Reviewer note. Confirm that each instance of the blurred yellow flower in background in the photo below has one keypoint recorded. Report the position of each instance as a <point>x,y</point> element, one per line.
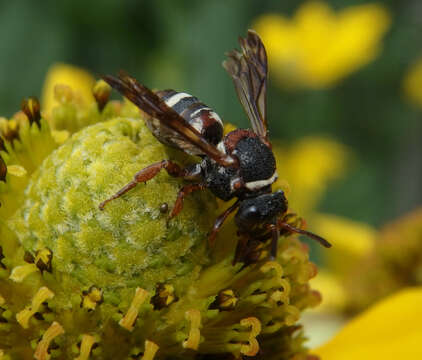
<point>353,241</point>
<point>366,265</point>
<point>412,83</point>
<point>308,165</point>
<point>390,330</point>
<point>76,78</point>
<point>394,263</point>
<point>318,47</point>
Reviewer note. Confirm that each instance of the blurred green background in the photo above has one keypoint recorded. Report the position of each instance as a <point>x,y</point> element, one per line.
<point>181,44</point>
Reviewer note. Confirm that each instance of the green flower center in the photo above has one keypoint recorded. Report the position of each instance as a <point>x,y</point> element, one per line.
<point>131,243</point>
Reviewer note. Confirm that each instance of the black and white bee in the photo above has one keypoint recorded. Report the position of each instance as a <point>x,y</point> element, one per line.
<point>238,165</point>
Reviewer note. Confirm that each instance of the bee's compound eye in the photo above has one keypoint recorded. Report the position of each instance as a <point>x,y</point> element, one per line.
<point>251,212</point>
<point>247,216</point>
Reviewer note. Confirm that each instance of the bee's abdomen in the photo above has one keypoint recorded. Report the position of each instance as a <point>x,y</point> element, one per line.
<point>196,113</point>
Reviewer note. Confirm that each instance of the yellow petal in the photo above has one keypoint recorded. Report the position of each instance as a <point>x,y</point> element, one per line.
<point>281,41</point>
<point>352,241</point>
<point>412,83</point>
<point>60,136</point>
<point>308,165</point>
<point>333,293</point>
<point>78,79</point>
<point>390,330</point>
<point>358,34</point>
<point>318,46</point>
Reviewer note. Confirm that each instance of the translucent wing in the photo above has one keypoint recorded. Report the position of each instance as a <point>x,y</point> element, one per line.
<point>249,71</point>
<point>155,107</point>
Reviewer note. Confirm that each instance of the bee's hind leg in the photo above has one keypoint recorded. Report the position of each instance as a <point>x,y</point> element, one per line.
<point>147,174</point>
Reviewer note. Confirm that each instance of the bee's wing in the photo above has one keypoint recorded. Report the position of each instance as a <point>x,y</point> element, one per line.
<point>249,71</point>
<point>154,106</point>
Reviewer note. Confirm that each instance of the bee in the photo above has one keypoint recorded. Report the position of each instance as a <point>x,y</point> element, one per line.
<point>238,165</point>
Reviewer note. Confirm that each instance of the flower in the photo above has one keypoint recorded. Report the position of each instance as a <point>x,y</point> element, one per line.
<point>390,330</point>
<point>367,265</point>
<point>412,83</point>
<point>309,165</point>
<point>353,242</point>
<point>76,78</point>
<point>127,282</point>
<point>394,263</point>
<point>318,47</point>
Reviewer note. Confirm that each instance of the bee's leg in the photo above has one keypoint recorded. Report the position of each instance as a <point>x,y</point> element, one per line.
<point>219,222</point>
<point>147,174</point>
<point>241,249</point>
<point>251,254</point>
<point>185,190</point>
<point>275,234</point>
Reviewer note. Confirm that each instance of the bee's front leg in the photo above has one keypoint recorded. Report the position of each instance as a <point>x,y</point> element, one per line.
<point>219,222</point>
<point>185,190</point>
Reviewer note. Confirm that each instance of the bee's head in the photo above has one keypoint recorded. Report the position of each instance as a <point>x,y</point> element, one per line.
<point>260,210</point>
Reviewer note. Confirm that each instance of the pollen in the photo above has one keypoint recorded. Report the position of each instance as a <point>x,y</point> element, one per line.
<point>270,265</point>
<point>92,298</point>
<point>16,170</point>
<point>226,300</point>
<point>129,319</point>
<point>164,296</point>
<point>41,352</point>
<point>277,281</point>
<point>252,348</point>
<point>151,349</point>
<point>194,316</point>
<point>19,273</point>
<point>280,296</point>
<point>42,295</point>
<point>292,314</point>
<point>43,259</point>
<point>86,345</point>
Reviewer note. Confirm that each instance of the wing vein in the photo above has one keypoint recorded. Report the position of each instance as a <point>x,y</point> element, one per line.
<point>154,106</point>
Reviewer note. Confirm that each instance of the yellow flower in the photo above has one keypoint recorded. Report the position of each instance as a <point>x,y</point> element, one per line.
<point>353,241</point>
<point>318,47</point>
<point>196,320</point>
<point>334,294</point>
<point>365,264</point>
<point>126,282</point>
<point>412,83</point>
<point>308,165</point>
<point>390,330</point>
<point>76,78</point>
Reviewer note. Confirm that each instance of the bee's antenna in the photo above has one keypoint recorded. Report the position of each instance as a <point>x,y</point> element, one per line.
<point>313,236</point>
